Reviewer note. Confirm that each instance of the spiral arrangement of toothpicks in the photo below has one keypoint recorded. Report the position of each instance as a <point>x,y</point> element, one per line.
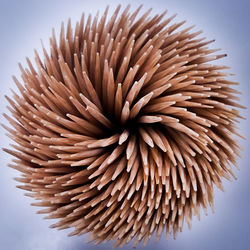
<point>123,128</point>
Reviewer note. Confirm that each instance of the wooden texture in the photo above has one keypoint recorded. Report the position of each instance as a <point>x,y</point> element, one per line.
<point>124,127</point>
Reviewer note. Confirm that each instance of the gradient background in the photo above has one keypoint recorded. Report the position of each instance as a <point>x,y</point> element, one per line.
<point>24,23</point>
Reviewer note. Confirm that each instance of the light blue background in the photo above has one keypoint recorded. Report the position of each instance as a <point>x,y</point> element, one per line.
<point>24,23</point>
